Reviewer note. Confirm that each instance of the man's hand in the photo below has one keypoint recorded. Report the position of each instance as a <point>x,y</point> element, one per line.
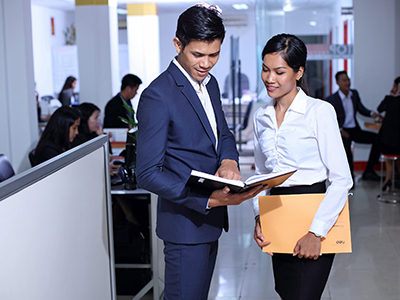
<point>229,170</point>
<point>309,246</point>
<point>377,116</point>
<point>258,236</point>
<point>223,197</point>
<point>344,133</point>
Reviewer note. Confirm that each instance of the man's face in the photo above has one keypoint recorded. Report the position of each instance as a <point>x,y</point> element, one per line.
<point>344,83</point>
<point>198,57</point>
<point>132,91</point>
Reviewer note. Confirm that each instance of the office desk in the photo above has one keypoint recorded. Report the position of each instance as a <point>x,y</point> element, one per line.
<point>156,263</point>
<point>373,125</point>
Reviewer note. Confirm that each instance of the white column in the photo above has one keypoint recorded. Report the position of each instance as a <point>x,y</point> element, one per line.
<point>18,112</point>
<point>97,41</point>
<point>143,43</point>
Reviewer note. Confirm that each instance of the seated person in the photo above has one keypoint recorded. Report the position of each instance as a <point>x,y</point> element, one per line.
<point>115,107</point>
<point>347,103</point>
<point>58,135</point>
<point>389,134</point>
<point>90,127</point>
<point>67,95</point>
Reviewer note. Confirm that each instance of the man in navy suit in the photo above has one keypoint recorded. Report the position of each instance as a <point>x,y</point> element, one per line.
<point>182,128</point>
<point>347,103</point>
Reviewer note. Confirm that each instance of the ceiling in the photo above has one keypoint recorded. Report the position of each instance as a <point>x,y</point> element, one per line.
<point>165,6</point>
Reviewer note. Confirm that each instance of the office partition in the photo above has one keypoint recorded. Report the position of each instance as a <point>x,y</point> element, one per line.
<point>55,241</point>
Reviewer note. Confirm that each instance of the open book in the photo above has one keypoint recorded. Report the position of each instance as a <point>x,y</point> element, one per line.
<point>203,180</point>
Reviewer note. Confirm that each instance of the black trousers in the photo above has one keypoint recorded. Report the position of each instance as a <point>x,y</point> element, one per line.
<point>295,278</point>
<point>363,137</point>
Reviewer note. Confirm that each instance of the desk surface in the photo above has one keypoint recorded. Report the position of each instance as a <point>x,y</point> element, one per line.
<point>373,125</point>
<point>119,190</point>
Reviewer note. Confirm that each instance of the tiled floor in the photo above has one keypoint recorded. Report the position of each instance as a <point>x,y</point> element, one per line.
<point>371,272</point>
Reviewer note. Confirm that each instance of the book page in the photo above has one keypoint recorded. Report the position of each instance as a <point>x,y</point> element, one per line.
<point>272,179</point>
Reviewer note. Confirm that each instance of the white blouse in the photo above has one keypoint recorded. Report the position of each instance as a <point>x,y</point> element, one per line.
<point>307,140</point>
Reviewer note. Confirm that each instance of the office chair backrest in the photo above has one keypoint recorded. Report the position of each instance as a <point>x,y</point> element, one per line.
<point>247,115</point>
<point>6,170</point>
<point>31,157</point>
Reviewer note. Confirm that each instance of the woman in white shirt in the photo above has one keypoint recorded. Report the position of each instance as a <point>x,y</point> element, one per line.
<point>295,131</point>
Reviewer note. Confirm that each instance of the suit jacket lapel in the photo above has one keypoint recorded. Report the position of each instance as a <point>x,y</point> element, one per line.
<point>191,96</point>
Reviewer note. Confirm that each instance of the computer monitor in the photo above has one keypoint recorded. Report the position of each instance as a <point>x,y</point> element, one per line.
<point>130,154</point>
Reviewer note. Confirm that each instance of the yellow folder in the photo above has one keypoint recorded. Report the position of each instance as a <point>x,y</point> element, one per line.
<point>286,218</point>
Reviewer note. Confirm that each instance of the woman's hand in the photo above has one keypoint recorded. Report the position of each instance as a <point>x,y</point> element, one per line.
<point>309,246</point>
<point>258,236</point>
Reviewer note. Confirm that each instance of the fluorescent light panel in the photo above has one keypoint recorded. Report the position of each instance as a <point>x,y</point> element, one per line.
<point>240,6</point>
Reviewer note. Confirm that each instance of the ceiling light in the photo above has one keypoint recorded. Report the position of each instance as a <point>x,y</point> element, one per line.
<point>313,23</point>
<point>240,6</point>
<point>288,7</point>
<point>122,11</point>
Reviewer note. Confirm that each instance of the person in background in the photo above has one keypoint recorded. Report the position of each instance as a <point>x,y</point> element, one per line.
<point>295,131</point>
<point>58,135</point>
<point>115,107</point>
<point>182,127</point>
<point>67,95</point>
<point>389,133</point>
<point>347,103</point>
<point>90,128</point>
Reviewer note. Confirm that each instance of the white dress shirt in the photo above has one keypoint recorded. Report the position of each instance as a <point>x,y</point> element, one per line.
<point>307,140</point>
<point>204,97</point>
<point>348,107</point>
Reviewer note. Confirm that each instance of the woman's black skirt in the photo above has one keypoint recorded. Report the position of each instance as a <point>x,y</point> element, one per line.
<point>295,278</point>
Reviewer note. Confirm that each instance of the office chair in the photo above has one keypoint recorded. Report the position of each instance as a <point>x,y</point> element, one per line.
<point>31,157</point>
<point>245,121</point>
<point>6,170</point>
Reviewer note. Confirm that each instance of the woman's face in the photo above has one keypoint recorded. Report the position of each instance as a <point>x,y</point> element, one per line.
<point>73,84</point>
<point>279,78</point>
<point>93,121</point>
<point>73,130</point>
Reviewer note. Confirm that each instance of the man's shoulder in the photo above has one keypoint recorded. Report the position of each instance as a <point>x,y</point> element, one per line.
<point>331,98</point>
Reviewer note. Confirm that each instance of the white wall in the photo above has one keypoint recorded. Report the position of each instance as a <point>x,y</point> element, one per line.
<point>375,55</point>
<point>19,125</point>
<point>44,41</point>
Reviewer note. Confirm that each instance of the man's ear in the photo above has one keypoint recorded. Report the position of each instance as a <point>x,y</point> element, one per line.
<point>178,44</point>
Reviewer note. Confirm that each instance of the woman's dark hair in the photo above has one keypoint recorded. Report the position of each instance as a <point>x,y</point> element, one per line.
<point>68,84</point>
<point>201,24</point>
<point>86,110</point>
<point>293,51</point>
<point>397,80</point>
<point>57,129</point>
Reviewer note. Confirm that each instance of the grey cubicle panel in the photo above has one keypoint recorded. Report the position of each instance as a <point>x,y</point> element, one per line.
<point>55,241</point>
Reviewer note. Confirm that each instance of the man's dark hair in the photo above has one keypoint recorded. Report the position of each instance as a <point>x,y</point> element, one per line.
<point>131,81</point>
<point>397,80</point>
<point>201,24</point>
<point>339,73</point>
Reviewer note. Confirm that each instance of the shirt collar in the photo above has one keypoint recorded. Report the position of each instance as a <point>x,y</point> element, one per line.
<point>192,81</point>
<point>298,105</point>
<point>342,95</point>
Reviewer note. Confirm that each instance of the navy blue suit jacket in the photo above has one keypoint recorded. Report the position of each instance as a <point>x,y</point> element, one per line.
<point>174,138</point>
<point>336,101</point>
